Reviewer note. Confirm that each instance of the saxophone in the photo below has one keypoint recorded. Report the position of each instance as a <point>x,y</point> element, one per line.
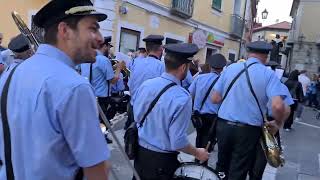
<point>271,148</point>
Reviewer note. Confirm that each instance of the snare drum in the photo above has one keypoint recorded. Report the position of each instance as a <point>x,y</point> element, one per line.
<point>195,171</point>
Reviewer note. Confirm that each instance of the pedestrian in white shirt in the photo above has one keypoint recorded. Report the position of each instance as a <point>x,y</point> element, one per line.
<point>305,82</point>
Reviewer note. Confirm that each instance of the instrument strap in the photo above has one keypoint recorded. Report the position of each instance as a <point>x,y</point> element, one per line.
<point>6,129</point>
<point>90,75</point>
<point>252,91</point>
<point>232,83</point>
<point>208,92</point>
<point>153,103</point>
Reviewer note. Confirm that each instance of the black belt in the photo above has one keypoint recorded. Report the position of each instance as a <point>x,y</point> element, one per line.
<point>160,155</point>
<point>237,124</point>
<point>208,116</point>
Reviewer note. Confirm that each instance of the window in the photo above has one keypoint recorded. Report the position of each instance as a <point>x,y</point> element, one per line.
<point>232,57</point>
<point>129,40</point>
<point>216,4</point>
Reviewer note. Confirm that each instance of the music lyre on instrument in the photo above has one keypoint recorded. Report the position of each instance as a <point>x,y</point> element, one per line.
<point>28,34</point>
<point>23,28</point>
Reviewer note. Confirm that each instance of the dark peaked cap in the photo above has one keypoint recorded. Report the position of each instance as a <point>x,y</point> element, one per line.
<point>19,44</point>
<point>57,10</point>
<point>183,51</point>
<point>155,39</point>
<point>217,61</point>
<point>259,47</point>
<point>107,41</point>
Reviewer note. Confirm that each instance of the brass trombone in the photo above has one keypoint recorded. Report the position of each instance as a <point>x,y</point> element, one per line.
<point>28,34</point>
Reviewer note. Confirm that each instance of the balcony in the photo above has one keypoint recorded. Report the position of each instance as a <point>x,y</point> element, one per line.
<point>237,26</point>
<point>182,8</point>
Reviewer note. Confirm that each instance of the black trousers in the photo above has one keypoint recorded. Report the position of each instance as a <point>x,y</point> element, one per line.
<point>237,144</point>
<point>130,116</point>
<point>104,103</point>
<point>152,165</point>
<point>288,123</point>
<point>206,132</point>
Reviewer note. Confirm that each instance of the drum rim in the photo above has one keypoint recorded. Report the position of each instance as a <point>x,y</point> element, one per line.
<point>199,164</point>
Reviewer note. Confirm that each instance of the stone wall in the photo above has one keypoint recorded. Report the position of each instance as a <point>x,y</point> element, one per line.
<point>305,56</point>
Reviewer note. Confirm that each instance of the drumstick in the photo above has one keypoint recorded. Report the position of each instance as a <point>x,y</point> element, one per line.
<point>208,145</point>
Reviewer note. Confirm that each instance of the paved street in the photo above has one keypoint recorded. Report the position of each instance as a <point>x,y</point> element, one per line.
<point>301,146</point>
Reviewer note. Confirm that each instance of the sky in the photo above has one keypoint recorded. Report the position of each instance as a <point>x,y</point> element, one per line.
<point>278,9</point>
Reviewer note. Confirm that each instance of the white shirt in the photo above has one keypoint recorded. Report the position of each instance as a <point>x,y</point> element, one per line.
<point>305,81</point>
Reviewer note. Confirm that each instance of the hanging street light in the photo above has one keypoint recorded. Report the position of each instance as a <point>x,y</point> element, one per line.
<point>265,14</point>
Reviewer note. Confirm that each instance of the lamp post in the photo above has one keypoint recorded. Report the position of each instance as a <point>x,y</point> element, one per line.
<point>265,14</point>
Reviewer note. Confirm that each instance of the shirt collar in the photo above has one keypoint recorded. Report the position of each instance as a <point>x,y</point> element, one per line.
<point>99,52</point>
<point>253,60</point>
<point>53,52</point>
<point>18,61</point>
<point>170,77</point>
<point>153,56</point>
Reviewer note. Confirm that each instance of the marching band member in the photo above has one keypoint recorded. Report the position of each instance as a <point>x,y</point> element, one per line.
<point>164,131</point>
<point>205,111</point>
<point>240,119</point>
<point>21,48</point>
<point>100,75</point>
<point>55,132</point>
<point>260,161</point>
<point>145,68</point>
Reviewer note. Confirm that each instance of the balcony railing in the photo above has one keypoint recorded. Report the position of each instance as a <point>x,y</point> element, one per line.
<point>237,26</point>
<point>182,8</point>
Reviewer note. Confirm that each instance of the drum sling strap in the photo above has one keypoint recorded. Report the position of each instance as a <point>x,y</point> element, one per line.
<point>233,81</point>
<point>257,101</point>
<point>131,134</point>
<point>6,131</point>
<point>208,92</point>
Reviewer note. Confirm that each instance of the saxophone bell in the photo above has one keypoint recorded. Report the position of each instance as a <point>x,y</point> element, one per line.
<point>271,148</point>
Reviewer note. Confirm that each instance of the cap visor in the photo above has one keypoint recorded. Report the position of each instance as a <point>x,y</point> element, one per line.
<point>100,16</point>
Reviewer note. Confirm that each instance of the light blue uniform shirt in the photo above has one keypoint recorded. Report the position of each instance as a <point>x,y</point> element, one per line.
<point>144,69</point>
<point>101,73</point>
<point>240,105</point>
<point>53,119</point>
<point>14,63</point>
<point>165,128</point>
<point>133,61</point>
<point>198,91</point>
<point>187,81</point>
<point>119,86</point>
<point>288,100</point>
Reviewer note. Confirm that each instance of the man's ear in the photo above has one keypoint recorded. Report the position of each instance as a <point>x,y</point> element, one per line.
<point>63,30</point>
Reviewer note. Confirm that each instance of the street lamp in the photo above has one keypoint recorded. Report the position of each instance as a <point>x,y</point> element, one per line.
<point>265,14</point>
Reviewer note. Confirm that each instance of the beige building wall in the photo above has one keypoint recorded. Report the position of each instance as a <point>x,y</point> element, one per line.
<point>204,13</point>
<point>25,8</point>
<point>309,25</point>
<point>153,23</point>
<point>164,25</point>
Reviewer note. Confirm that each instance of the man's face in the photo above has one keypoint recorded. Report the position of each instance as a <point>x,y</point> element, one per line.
<point>85,40</point>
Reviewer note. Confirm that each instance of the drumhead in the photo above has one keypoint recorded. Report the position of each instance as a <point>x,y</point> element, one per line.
<point>195,171</point>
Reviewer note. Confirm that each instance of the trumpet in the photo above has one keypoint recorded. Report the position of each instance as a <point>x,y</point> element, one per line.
<point>28,34</point>
<point>125,70</point>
